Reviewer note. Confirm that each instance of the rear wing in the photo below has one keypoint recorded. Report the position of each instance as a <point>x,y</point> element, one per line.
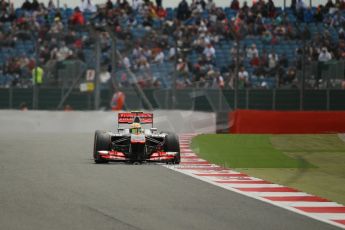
<point>129,118</point>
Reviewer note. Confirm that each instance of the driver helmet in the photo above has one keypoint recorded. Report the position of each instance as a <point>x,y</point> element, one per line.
<point>135,128</point>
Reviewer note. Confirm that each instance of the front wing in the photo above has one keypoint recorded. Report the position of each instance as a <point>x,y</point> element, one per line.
<point>120,156</point>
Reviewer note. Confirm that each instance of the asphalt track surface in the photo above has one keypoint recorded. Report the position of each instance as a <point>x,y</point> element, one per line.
<point>49,181</point>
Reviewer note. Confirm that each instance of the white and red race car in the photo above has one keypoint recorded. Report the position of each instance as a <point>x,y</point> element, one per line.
<point>134,144</point>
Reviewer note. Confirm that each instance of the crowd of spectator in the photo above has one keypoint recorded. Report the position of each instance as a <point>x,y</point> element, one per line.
<point>195,32</point>
<point>38,38</point>
<point>169,37</point>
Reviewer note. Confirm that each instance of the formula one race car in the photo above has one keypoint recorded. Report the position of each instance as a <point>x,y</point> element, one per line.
<point>135,144</point>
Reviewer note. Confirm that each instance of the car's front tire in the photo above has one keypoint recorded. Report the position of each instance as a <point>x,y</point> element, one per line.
<point>172,144</point>
<point>102,142</point>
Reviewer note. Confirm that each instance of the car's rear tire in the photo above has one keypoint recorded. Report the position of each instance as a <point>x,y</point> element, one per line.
<point>102,142</point>
<point>172,144</point>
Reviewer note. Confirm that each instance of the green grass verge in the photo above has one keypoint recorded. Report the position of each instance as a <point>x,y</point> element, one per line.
<point>311,163</point>
<point>244,151</point>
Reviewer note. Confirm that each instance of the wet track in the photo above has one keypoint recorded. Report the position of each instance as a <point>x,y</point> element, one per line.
<point>50,182</point>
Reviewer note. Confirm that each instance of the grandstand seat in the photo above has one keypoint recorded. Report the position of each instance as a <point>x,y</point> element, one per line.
<point>163,71</point>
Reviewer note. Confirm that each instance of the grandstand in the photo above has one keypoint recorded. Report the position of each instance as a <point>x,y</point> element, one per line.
<point>50,36</point>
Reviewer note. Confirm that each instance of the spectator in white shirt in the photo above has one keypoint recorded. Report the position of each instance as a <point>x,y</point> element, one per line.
<point>147,53</point>
<point>87,6</point>
<point>83,5</point>
<point>126,62</point>
<point>196,7</point>
<point>300,5</point>
<point>272,60</point>
<point>324,55</point>
<point>243,78</point>
<point>210,5</point>
<point>159,58</point>
<point>136,4</point>
<point>172,52</point>
<point>209,52</point>
<point>252,51</point>
<point>56,26</point>
<point>91,7</point>
<point>233,53</point>
<point>61,53</point>
<point>218,81</point>
<point>182,66</point>
<point>137,51</point>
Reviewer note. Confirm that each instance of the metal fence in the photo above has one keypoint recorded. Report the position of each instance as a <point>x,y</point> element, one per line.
<point>186,99</point>
<point>325,75</point>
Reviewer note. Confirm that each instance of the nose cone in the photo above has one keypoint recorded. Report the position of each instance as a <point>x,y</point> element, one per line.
<point>137,138</point>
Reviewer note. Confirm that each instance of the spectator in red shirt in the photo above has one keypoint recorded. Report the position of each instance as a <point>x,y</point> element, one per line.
<point>117,101</point>
<point>255,61</point>
<point>161,12</point>
<point>77,17</point>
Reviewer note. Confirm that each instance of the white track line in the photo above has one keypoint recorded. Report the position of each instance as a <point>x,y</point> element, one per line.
<point>307,204</point>
<point>278,194</point>
<point>330,216</point>
<point>234,185</point>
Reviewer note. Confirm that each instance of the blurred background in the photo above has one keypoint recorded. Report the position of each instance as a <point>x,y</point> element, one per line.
<point>187,55</point>
<point>167,3</point>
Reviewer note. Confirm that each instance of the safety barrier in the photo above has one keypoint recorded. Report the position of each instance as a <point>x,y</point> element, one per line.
<point>286,122</point>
